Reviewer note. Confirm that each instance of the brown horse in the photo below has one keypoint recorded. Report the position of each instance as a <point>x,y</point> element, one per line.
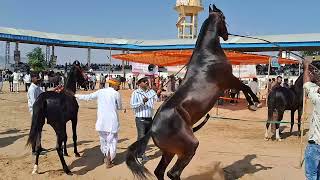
<point>209,73</point>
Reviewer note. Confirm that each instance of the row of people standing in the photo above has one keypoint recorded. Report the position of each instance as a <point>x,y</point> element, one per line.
<point>16,79</point>
<point>109,102</point>
<point>277,82</point>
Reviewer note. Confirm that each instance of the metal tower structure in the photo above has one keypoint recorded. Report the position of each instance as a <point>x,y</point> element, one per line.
<point>16,54</point>
<point>187,24</point>
<point>48,54</point>
<point>7,58</point>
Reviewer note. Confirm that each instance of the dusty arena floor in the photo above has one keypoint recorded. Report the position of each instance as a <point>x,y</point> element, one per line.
<point>235,148</point>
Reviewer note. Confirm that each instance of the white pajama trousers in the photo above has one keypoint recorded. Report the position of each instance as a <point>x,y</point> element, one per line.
<point>108,143</point>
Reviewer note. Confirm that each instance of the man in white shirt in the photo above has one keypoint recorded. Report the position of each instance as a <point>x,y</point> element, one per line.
<point>142,102</point>
<point>107,125</point>
<point>130,80</point>
<point>16,77</point>
<point>312,152</point>
<point>254,86</point>
<point>27,80</point>
<point>33,92</point>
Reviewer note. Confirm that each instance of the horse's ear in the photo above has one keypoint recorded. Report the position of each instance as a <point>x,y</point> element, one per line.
<point>210,10</point>
<point>214,8</point>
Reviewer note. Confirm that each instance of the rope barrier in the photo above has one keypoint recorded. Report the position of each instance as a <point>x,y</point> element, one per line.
<point>247,120</point>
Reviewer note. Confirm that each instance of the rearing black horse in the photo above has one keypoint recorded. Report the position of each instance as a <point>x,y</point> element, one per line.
<point>58,109</point>
<point>209,73</point>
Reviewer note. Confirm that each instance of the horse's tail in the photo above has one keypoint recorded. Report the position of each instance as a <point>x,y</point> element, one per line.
<point>38,120</point>
<point>132,162</point>
<point>195,129</point>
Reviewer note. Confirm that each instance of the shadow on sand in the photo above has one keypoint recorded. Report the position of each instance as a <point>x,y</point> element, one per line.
<point>6,141</point>
<point>12,131</point>
<point>234,171</point>
<point>91,158</point>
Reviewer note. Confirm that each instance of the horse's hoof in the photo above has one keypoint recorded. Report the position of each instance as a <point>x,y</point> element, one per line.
<point>259,105</point>
<point>252,107</point>
<point>77,155</point>
<point>279,139</point>
<point>266,138</point>
<point>35,169</point>
<point>67,171</point>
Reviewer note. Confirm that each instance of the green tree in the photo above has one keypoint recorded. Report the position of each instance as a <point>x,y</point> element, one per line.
<point>36,59</point>
<point>310,53</point>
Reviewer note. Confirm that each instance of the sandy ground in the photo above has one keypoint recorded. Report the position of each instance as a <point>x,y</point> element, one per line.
<point>236,146</point>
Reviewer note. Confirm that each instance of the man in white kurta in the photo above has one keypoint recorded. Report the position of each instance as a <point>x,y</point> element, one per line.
<point>107,125</point>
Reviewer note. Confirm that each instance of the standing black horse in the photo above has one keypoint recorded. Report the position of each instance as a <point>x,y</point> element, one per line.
<point>209,73</point>
<point>57,108</point>
<point>281,99</point>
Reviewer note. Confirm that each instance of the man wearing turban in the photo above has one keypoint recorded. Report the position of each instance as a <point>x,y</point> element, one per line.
<point>107,124</point>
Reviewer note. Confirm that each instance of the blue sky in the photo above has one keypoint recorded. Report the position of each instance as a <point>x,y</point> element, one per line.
<point>149,19</point>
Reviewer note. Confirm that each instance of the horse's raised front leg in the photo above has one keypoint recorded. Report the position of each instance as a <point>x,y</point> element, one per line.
<point>74,136</point>
<point>237,84</point>
<point>247,91</point>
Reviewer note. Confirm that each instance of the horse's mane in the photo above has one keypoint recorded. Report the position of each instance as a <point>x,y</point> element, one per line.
<point>202,31</point>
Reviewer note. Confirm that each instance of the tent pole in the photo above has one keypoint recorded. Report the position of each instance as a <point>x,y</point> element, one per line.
<point>269,67</point>
<point>299,69</point>
<point>303,119</point>
<point>110,62</point>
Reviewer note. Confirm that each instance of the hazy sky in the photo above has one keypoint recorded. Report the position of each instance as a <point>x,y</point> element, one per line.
<point>149,19</point>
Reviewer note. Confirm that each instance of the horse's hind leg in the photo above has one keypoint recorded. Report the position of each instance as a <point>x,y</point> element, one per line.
<point>299,120</point>
<point>61,136</point>
<point>280,116</point>
<point>163,164</point>
<point>74,132</point>
<point>292,121</point>
<point>37,149</point>
<point>65,151</point>
<point>184,159</point>
<point>270,118</point>
<point>35,167</point>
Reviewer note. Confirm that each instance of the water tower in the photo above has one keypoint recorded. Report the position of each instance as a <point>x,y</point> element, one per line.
<point>188,18</point>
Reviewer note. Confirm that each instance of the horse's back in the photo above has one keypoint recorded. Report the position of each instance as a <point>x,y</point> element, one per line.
<point>58,105</point>
<point>282,98</point>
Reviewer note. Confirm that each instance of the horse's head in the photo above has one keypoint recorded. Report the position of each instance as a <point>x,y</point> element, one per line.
<point>78,73</point>
<point>218,21</point>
